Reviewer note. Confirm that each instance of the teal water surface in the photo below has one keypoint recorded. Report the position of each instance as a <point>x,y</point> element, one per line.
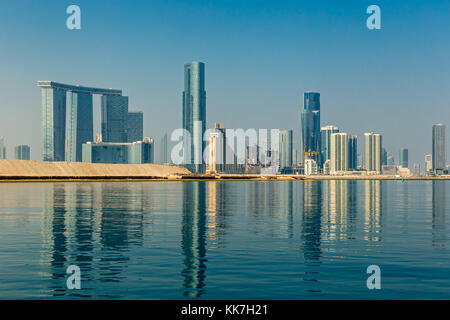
<point>225,240</point>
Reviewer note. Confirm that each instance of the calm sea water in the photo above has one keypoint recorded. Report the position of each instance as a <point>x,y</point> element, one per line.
<point>225,240</point>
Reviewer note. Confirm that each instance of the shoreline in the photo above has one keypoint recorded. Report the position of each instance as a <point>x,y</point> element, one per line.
<point>224,177</point>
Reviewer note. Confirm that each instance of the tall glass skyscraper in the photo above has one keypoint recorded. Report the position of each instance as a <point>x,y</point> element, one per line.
<point>80,127</point>
<point>352,152</point>
<point>67,119</point>
<point>403,158</point>
<point>286,149</point>
<point>114,118</point>
<point>194,114</point>
<point>325,142</point>
<point>135,126</point>
<point>439,148</point>
<point>310,117</point>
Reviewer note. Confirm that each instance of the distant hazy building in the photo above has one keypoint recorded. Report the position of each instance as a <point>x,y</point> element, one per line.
<point>164,156</point>
<point>390,160</point>
<point>416,168</point>
<point>428,163</point>
<point>372,152</point>
<point>352,152</point>
<point>286,149</point>
<point>22,152</point>
<point>310,167</point>
<point>384,155</point>
<point>339,152</point>
<point>67,119</point>
<point>325,142</point>
<point>2,148</point>
<point>114,118</point>
<point>439,148</point>
<point>135,126</point>
<point>194,114</point>
<point>310,118</point>
<point>119,152</point>
<point>403,158</point>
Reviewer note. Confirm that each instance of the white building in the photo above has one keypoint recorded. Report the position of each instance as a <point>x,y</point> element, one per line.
<point>372,152</point>
<point>428,163</point>
<point>310,167</point>
<point>339,155</point>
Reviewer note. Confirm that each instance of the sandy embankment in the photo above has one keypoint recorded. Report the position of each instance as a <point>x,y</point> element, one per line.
<point>36,170</point>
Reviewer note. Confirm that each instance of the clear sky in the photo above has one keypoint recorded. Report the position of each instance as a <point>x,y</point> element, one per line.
<point>260,56</point>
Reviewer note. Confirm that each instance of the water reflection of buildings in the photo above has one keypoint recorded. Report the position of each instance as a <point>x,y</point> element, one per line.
<point>77,217</point>
<point>274,202</point>
<point>339,210</point>
<point>311,226</point>
<point>373,210</point>
<point>220,198</point>
<point>439,207</point>
<point>194,238</point>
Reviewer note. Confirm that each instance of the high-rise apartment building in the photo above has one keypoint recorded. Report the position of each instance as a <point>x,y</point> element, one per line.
<point>286,149</point>
<point>372,152</point>
<point>164,156</point>
<point>22,152</point>
<point>325,142</point>
<point>428,163</point>
<point>339,152</point>
<point>67,120</point>
<point>135,126</point>
<point>439,148</point>
<point>310,118</point>
<point>194,115</point>
<point>403,158</point>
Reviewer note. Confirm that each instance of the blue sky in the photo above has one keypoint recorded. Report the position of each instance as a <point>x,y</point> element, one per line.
<point>260,56</point>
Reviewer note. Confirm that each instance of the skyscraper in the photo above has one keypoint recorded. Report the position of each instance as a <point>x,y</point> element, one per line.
<point>372,152</point>
<point>135,126</point>
<point>286,149</point>
<point>428,163</point>
<point>194,114</point>
<point>403,158</point>
<point>352,152</point>
<point>325,142</point>
<point>439,148</point>
<point>164,150</point>
<point>339,152</point>
<point>310,117</point>
<point>58,101</point>
<point>80,125</point>
<point>114,118</point>
<point>22,152</point>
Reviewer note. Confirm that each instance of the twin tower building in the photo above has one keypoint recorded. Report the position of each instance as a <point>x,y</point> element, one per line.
<point>67,120</point>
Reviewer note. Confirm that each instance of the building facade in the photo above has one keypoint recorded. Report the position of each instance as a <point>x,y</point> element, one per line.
<point>372,152</point>
<point>138,152</point>
<point>114,118</point>
<point>67,119</point>
<point>2,148</point>
<point>286,149</point>
<point>439,148</point>
<point>325,142</point>
<point>22,152</point>
<point>352,152</point>
<point>339,155</point>
<point>428,163</point>
<point>194,115</point>
<point>135,126</point>
<point>310,119</point>
<point>403,158</point>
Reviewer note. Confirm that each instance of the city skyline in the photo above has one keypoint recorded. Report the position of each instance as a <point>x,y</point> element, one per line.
<point>374,87</point>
